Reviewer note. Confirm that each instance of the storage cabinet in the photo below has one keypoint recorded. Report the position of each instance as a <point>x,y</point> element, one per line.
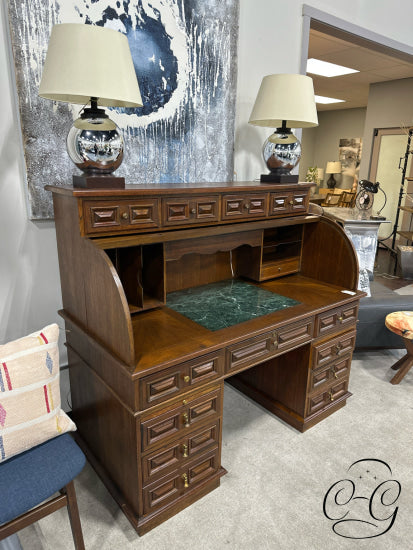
<point>147,380</point>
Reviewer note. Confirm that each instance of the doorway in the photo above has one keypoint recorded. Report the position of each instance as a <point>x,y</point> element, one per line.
<point>378,58</point>
<point>387,159</point>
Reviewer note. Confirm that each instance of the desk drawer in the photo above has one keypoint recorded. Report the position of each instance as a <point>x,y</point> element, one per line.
<point>102,216</point>
<point>183,211</point>
<point>244,206</point>
<point>336,319</point>
<point>327,397</point>
<point>167,383</point>
<point>336,347</point>
<point>327,375</point>
<point>167,489</point>
<point>260,348</point>
<point>173,423</point>
<point>176,454</point>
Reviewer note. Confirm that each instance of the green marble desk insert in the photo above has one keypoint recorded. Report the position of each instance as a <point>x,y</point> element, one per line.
<point>226,303</point>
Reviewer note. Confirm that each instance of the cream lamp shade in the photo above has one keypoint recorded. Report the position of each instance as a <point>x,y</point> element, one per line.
<point>288,97</point>
<point>85,61</point>
<point>284,101</point>
<point>333,167</point>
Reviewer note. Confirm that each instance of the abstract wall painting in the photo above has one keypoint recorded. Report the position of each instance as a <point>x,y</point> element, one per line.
<point>185,55</point>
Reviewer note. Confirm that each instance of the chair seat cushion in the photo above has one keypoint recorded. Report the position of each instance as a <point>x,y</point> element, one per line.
<point>401,323</point>
<point>33,476</point>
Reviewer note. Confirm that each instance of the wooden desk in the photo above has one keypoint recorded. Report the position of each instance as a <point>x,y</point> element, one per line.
<point>147,382</point>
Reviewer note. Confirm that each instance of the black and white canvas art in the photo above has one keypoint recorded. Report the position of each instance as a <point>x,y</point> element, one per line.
<point>184,53</point>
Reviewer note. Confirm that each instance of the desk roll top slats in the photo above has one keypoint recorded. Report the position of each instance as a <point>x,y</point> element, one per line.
<point>147,383</point>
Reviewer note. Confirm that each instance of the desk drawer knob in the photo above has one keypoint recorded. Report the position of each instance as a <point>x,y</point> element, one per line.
<point>186,420</point>
<point>185,478</point>
<point>187,378</point>
<point>291,203</point>
<point>193,211</point>
<point>331,395</point>
<point>338,348</point>
<point>333,370</point>
<point>185,450</point>
<point>341,318</point>
<point>124,215</point>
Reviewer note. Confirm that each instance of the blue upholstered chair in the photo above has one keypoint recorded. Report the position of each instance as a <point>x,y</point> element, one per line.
<point>29,479</point>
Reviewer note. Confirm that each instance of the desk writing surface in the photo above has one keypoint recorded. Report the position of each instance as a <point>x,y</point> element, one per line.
<point>163,335</point>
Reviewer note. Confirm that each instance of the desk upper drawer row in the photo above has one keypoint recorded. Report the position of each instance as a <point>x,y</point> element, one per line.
<point>146,213</point>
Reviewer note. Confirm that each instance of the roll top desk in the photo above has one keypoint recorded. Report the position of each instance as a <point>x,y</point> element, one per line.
<point>147,381</point>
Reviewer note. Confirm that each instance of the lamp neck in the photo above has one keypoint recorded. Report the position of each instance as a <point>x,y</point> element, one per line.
<point>93,111</point>
<point>283,129</point>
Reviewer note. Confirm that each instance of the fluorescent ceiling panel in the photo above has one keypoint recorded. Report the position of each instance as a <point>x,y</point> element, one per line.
<point>323,99</point>
<point>323,68</point>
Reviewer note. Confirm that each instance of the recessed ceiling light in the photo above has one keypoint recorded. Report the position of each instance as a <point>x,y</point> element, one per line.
<point>323,99</point>
<point>323,68</point>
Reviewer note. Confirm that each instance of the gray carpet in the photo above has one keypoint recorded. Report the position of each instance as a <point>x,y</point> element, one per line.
<point>272,496</point>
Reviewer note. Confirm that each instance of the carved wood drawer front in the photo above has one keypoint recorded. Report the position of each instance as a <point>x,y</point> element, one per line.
<point>255,350</point>
<point>327,397</point>
<point>279,203</point>
<point>327,375</point>
<point>288,202</point>
<point>174,455</point>
<point>333,349</point>
<point>102,216</point>
<point>173,423</point>
<point>190,210</point>
<point>165,384</point>
<point>295,334</point>
<point>167,489</point>
<point>251,351</point>
<point>244,206</point>
<point>336,319</point>
<point>299,202</point>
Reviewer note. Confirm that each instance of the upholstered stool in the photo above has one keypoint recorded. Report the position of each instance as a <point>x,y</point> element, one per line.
<point>401,323</point>
<point>28,479</point>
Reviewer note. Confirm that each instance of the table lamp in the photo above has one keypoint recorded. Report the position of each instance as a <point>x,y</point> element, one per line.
<point>284,101</point>
<point>370,187</point>
<point>333,167</point>
<point>87,63</point>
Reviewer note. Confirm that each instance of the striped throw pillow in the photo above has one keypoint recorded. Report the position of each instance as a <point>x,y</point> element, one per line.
<point>30,411</point>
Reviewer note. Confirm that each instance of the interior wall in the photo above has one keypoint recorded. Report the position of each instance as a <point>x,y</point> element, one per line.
<point>389,105</point>
<point>269,42</point>
<point>324,141</point>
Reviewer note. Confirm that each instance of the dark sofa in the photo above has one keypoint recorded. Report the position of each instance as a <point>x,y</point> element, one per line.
<point>371,330</point>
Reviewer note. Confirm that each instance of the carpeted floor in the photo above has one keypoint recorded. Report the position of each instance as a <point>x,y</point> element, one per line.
<point>272,496</point>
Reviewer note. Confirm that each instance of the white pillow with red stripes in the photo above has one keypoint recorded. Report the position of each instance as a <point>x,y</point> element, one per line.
<point>30,411</point>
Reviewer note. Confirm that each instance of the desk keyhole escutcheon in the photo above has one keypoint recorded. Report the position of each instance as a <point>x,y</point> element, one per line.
<point>185,478</point>
<point>185,450</point>
<point>186,419</point>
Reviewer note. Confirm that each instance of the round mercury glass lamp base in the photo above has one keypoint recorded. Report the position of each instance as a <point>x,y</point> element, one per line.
<point>95,145</point>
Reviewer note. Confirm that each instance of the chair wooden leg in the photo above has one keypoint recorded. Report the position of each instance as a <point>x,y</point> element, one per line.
<point>404,364</point>
<point>400,362</point>
<point>74,517</point>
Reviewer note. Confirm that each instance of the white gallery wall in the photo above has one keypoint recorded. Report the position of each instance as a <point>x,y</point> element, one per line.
<point>269,42</point>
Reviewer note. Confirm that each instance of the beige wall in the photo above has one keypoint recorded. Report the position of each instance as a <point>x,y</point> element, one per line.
<point>390,105</point>
<point>321,144</point>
